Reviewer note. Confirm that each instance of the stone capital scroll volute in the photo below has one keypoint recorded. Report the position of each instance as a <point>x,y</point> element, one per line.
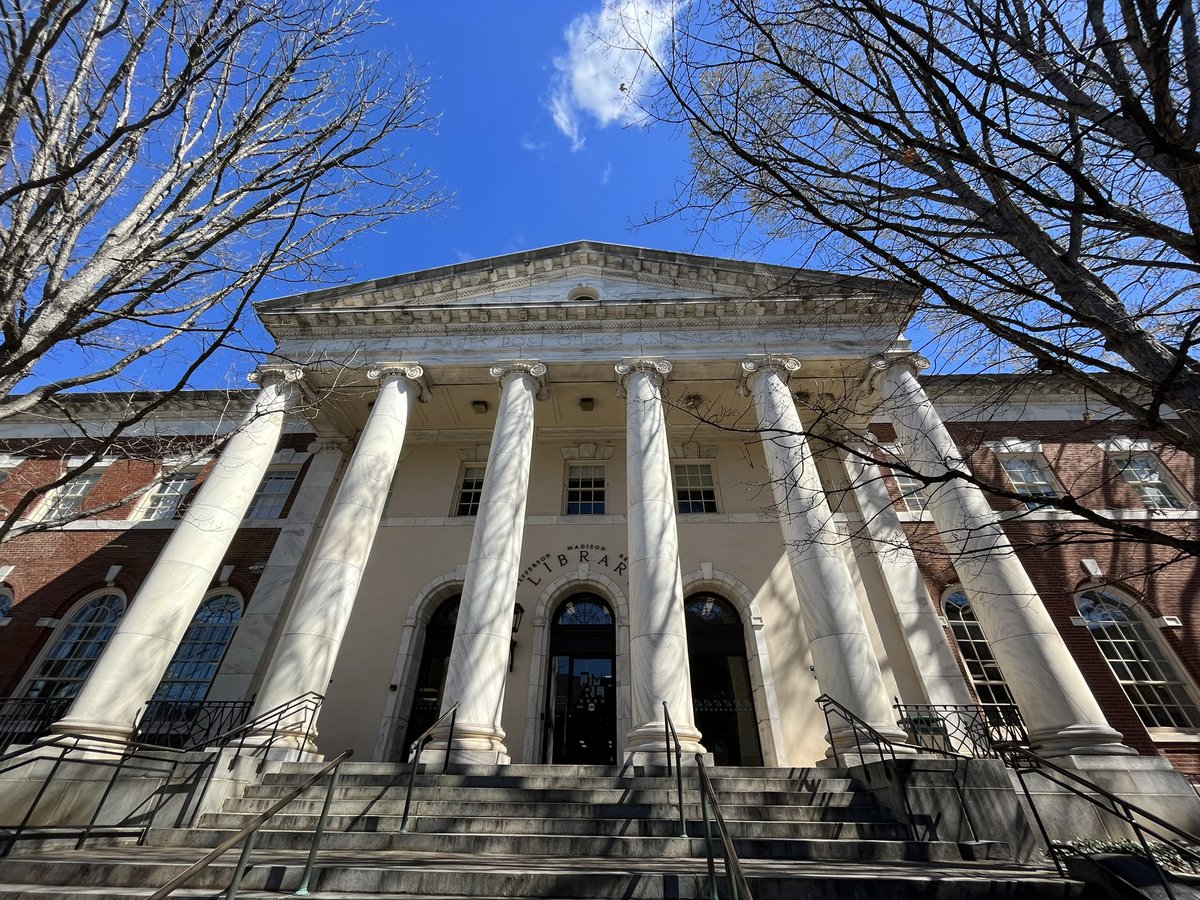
<point>756,365</point>
<point>658,369</point>
<point>877,366</point>
<point>414,372</point>
<point>531,368</point>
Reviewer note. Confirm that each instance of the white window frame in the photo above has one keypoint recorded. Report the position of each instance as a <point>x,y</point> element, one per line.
<point>1164,482</point>
<point>1038,461</point>
<point>603,487</point>
<point>1173,681</point>
<point>252,511</point>
<point>49,509</point>
<point>197,636</point>
<point>999,694</point>
<point>34,673</point>
<point>676,464</point>
<point>145,512</point>
<point>458,503</point>
<point>913,498</point>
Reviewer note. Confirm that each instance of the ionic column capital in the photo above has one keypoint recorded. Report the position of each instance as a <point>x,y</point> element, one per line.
<point>753,366</point>
<point>276,371</point>
<point>329,442</point>
<point>878,366</point>
<point>414,372</point>
<point>658,369</point>
<point>531,368</point>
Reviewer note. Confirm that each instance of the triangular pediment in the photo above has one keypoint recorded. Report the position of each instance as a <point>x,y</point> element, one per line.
<point>583,271</point>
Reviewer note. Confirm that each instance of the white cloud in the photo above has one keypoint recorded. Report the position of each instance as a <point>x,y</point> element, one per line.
<point>604,73</point>
<point>606,173</point>
<point>532,146</point>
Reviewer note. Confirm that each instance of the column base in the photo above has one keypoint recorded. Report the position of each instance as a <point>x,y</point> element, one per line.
<point>471,745</point>
<point>102,732</point>
<point>648,745</point>
<point>1080,740</point>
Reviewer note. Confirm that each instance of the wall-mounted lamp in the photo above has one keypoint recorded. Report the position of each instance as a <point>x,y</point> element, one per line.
<point>587,404</point>
<point>480,407</point>
<point>518,613</point>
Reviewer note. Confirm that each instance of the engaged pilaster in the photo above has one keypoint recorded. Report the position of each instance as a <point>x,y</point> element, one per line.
<point>308,648</point>
<point>843,656</point>
<point>1059,709</point>
<point>128,673</point>
<point>478,667</point>
<point>657,629</point>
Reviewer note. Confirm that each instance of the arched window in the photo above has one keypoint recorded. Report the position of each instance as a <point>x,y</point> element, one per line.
<point>431,672</point>
<point>1152,683</point>
<point>6,601</point>
<point>982,668</point>
<point>195,663</point>
<point>76,647</point>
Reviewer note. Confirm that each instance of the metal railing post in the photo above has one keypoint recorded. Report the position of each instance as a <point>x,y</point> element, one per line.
<point>243,863</point>
<point>708,845</point>
<point>319,833</point>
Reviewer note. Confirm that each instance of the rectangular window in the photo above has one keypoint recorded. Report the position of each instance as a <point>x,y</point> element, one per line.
<point>695,490</point>
<point>272,494</point>
<point>585,490</point>
<point>1030,477</point>
<point>168,495</point>
<point>470,491</point>
<point>1144,474</point>
<point>912,492</point>
<point>68,500</point>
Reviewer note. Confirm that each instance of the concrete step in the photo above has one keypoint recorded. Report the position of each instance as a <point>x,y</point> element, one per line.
<point>619,847</point>
<point>285,782</point>
<point>566,795</point>
<point>615,826</point>
<point>571,772</point>
<point>454,808</point>
<point>411,876</point>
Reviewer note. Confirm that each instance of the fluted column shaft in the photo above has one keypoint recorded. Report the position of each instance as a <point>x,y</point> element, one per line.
<point>658,651</point>
<point>478,667</point>
<point>847,668</point>
<point>137,656</point>
<point>1059,709</point>
<point>308,647</point>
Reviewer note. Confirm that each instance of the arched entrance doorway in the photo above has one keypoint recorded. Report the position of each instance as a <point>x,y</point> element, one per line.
<point>431,675</point>
<point>581,702</point>
<point>722,698</point>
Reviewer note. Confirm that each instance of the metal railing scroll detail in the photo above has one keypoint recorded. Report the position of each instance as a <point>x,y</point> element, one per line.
<point>414,755</point>
<point>187,724</point>
<point>739,888</point>
<point>248,835</point>
<point>1026,762</point>
<point>25,719</point>
<point>968,730</point>
<point>669,738</point>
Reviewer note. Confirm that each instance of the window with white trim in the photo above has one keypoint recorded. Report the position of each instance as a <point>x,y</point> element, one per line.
<point>272,494</point>
<point>68,499</point>
<point>695,488</point>
<point>199,655</point>
<point>1144,473</point>
<point>1030,476</point>
<point>982,669</point>
<point>912,492</point>
<point>6,601</point>
<point>165,499</point>
<point>585,490</point>
<point>76,646</point>
<point>470,491</point>
<point>1152,683</point>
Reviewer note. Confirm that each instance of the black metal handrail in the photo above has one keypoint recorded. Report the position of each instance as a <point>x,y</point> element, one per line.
<point>860,728</point>
<point>248,835</point>
<point>25,719</point>
<point>414,755</point>
<point>187,724</point>
<point>967,729</point>
<point>739,888</point>
<point>669,736</point>
<point>1024,761</point>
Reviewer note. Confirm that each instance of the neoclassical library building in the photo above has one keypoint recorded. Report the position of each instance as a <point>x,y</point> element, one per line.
<point>567,487</point>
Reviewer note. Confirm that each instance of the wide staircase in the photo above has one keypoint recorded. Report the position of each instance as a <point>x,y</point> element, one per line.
<point>547,832</point>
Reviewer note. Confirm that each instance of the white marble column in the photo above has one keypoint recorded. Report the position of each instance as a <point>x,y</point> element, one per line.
<point>478,666</point>
<point>843,656</point>
<point>133,663</point>
<point>308,647</point>
<point>917,617</point>
<point>658,649</point>
<point>1059,709</point>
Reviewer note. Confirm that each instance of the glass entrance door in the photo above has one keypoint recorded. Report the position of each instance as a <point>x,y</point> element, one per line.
<point>581,703</point>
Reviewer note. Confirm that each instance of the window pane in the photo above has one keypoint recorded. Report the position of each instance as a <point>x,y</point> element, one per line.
<point>1143,473</point>
<point>982,668</point>
<point>695,490</point>
<point>912,492</point>
<point>69,499</point>
<point>470,491</point>
<point>76,648</point>
<point>1030,478</point>
<point>585,490</point>
<point>164,502</point>
<point>272,495</point>
<point>191,670</point>
<point>1152,684</point>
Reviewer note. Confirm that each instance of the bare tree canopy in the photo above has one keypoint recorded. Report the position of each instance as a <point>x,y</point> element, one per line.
<point>160,158</point>
<point>1032,164</point>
